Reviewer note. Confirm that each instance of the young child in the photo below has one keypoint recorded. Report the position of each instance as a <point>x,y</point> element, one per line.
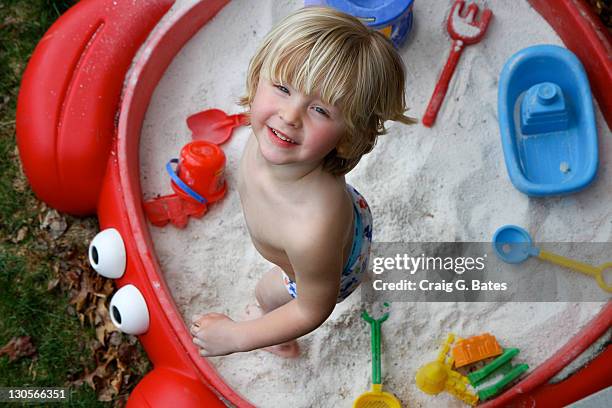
<point>319,90</point>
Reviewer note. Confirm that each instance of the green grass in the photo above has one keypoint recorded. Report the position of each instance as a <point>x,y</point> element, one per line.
<point>26,306</point>
<point>29,310</point>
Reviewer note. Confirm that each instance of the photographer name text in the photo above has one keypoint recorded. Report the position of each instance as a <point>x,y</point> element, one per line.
<point>410,265</point>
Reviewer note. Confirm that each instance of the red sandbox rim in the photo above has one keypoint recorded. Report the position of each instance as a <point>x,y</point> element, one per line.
<point>571,19</point>
<point>585,35</point>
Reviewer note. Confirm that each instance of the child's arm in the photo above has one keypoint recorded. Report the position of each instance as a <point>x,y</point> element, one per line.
<point>317,262</point>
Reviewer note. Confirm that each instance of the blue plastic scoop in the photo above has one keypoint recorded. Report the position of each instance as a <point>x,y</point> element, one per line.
<point>513,244</point>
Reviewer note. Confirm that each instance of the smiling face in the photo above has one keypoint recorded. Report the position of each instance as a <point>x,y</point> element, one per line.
<point>333,60</point>
<point>292,127</point>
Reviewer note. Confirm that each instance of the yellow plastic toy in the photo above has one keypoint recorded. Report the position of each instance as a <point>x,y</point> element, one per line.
<point>376,397</point>
<point>438,376</point>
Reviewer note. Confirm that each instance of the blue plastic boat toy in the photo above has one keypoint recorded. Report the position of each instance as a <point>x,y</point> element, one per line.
<point>393,18</point>
<point>546,120</point>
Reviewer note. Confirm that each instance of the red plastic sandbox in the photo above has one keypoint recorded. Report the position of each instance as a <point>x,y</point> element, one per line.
<point>80,159</point>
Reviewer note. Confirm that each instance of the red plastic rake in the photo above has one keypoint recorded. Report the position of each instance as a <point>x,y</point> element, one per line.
<point>464,30</point>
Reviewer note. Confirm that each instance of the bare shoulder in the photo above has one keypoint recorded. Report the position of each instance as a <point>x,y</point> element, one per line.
<point>324,219</point>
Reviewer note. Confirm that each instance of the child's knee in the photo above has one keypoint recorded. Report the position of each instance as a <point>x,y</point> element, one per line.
<point>258,294</point>
<point>262,294</point>
<point>270,291</point>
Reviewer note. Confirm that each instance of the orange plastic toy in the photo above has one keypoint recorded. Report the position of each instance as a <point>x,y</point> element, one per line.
<point>476,348</point>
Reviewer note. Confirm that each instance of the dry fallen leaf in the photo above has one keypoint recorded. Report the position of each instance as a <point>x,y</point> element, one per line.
<point>111,387</point>
<point>99,372</point>
<point>115,339</point>
<point>106,394</point>
<point>18,347</point>
<point>52,284</point>
<point>100,334</point>
<point>85,289</point>
<point>20,236</point>
<point>72,279</point>
<point>54,223</point>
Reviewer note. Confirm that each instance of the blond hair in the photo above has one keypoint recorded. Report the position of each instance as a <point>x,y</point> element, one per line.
<point>319,49</point>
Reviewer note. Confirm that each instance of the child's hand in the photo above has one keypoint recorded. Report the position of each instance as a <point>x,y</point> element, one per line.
<point>214,334</point>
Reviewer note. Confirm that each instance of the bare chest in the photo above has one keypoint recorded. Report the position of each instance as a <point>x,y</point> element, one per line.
<point>267,219</point>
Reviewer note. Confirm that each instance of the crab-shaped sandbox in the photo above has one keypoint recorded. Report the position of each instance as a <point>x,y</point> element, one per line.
<point>81,107</point>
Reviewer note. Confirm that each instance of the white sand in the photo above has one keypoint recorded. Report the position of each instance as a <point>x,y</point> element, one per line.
<point>442,184</point>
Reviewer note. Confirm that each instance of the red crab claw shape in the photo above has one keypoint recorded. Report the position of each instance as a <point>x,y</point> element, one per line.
<point>70,95</point>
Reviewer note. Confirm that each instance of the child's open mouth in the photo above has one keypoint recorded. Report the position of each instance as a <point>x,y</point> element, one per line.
<point>280,138</point>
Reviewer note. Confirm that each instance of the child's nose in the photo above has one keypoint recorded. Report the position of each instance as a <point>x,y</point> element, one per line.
<point>291,115</point>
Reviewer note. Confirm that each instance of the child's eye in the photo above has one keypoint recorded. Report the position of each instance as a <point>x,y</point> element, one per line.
<point>282,89</point>
<point>322,111</point>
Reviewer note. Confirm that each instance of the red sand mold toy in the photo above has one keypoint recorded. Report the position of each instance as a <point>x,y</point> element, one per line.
<point>198,181</point>
<point>80,160</point>
<point>200,173</point>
